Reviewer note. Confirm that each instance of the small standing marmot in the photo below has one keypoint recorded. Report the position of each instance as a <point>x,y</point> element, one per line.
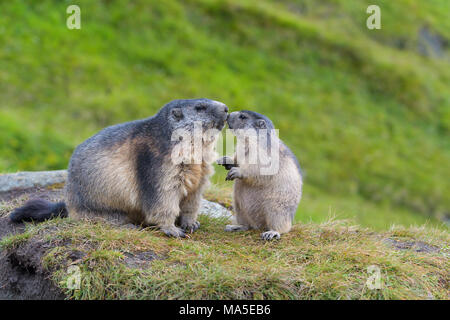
<point>126,172</point>
<point>262,200</point>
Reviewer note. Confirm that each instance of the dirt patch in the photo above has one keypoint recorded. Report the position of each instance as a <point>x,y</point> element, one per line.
<point>47,193</point>
<point>8,228</point>
<point>21,272</point>
<point>140,260</point>
<point>22,275</point>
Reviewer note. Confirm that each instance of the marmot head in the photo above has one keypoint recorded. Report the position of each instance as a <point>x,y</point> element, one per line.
<point>182,114</point>
<point>249,120</point>
<point>248,125</point>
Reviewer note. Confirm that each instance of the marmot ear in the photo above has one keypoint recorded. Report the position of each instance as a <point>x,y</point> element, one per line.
<point>261,124</point>
<point>177,113</point>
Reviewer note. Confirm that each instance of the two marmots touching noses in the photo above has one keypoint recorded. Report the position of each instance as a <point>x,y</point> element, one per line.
<point>138,172</point>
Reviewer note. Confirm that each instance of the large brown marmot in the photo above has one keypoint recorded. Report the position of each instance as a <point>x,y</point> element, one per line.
<point>127,171</point>
<point>263,199</point>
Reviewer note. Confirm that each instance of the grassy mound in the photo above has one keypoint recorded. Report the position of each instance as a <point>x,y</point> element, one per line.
<point>314,261</point>
<point>327,261</point>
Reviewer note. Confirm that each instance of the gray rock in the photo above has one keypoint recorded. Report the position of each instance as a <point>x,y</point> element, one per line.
<point>430,43</point>
<point>27,180</point>
<point>214,210</point>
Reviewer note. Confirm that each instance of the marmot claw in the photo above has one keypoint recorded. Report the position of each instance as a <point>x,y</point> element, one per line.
<point>234,173</point>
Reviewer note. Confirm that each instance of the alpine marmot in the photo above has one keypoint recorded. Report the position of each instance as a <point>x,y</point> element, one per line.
<point>263,198</point>
<point>127,172</point>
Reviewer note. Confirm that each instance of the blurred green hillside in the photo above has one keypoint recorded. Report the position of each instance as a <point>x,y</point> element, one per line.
<point>367,112</point>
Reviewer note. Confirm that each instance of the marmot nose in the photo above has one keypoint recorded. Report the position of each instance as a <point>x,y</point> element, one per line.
<point>225,108</point>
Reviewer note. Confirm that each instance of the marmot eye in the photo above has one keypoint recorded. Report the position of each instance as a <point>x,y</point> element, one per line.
<point>200,108</point>
<point>242,117</point>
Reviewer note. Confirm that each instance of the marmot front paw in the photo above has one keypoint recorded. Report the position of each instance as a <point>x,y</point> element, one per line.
<point>190,226</point>
<point>173,231</point>
<point>234,173</point>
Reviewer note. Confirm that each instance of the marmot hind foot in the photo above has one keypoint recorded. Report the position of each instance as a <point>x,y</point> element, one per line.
<point>270,235</point>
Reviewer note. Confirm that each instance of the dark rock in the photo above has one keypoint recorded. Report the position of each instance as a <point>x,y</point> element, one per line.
<point>140,260</point>
<point>431,44</point>
<point>418,246</point>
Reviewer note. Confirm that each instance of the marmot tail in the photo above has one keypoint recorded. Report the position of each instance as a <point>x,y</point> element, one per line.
<point>39,210</point>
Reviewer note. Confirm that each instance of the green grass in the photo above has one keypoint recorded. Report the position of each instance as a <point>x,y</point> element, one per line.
<point>314,261</point>
<point>366,114</point>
